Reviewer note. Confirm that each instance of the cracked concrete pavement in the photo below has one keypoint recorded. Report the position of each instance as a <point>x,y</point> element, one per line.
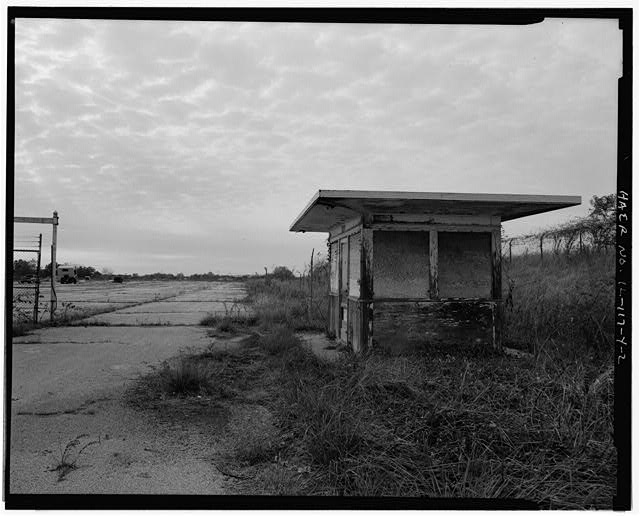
<point>69,381</point>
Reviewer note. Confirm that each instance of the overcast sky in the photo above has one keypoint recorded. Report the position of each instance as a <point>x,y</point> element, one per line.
<point>192,146</point>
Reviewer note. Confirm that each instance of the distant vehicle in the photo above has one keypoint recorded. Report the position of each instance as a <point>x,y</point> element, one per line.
<point>118,279</point>
<point>29,278</point>
<point>67,274</point>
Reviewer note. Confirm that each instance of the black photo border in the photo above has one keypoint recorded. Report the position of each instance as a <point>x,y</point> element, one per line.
<point>497,16</point>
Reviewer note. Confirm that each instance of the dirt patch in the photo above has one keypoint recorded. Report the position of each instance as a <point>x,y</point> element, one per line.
<point>322,346</point>
<point>238,411</point>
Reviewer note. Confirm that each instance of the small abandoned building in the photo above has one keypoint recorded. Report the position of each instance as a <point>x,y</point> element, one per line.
<point>412,270</point>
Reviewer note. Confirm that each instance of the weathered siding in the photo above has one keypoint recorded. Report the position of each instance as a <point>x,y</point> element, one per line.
<point>464,265</point>
<point>343,230</point>
<point>354,265</point>
<point>423,326</point>
<point>366,288</point>
<point>344,266</point>
<point>355,325</point>
<point>334,315</point>
<point>401,265</point>
<point>333,276</point>
<point>496,264</point>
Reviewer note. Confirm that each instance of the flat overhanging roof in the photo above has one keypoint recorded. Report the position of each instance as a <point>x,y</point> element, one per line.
<point>328,208</point>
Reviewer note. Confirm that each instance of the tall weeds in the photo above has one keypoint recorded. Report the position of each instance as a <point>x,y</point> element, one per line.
<point>490,427</point>
<point>289,302</point>
<point>562,306</point>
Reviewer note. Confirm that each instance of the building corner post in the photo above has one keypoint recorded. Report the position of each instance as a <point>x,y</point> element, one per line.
<point>496,286</point>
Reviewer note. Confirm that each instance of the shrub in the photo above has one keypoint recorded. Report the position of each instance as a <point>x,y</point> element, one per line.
<point>229,323</point>
<point>185,376</point>
<point>282,273</point>
<point>21,328</point>
<point>279,340</point>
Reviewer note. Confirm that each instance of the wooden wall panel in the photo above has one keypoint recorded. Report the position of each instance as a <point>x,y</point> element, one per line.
<point>354,265</point>
<point>333,268</point>
<point>355,325</point>
<point>401,267</point>
<point>434,291</point>
<point>334,315</point>
<point>496,265</point>
<point>424,326</point>
<point>464,265</point>
<point>366,287</point>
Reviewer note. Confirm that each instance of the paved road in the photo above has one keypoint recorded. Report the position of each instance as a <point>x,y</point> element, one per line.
<point>69,381</point>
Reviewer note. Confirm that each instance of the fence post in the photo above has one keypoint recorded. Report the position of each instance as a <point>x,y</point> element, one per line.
<point>54,265</point>
<point>510,242</point>
<point>35,304</point>
<point>53,297</point>
<point>541,253</point>
<point>311,285</point>
<point>580,236</point>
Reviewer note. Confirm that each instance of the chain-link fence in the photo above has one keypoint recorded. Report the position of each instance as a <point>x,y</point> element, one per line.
<point>26,279</point>
<point>581,236</point>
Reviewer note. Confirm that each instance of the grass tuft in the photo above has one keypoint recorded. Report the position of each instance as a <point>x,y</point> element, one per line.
<point>229,323</point>
<point>279,340</point>
<point>67,461</point>
<point>185,376</point>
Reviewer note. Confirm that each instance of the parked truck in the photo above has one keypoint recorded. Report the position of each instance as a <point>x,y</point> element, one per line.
<point>67,274</point>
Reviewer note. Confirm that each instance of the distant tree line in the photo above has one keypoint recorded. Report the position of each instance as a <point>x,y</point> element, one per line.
<point>23,268</point>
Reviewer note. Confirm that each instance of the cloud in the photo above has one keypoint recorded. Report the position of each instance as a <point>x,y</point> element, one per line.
<point>159,134</point>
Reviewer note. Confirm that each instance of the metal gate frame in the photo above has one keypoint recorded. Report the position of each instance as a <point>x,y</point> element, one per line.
<point>36,285</point>
<point>54,266</point>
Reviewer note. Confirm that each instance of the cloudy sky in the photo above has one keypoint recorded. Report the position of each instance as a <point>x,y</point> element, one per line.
<point>192,146</point>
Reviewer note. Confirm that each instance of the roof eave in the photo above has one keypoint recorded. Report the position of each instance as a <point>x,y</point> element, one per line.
<point>304,212</point>
<point>549,203</point>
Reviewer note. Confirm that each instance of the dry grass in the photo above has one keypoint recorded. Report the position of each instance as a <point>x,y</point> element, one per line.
<point>68,459</point>
<point>286,302</point>
<point>564,305</point>
<point>228,324</point>
<point>496,428</point>
<point>185,376</point>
